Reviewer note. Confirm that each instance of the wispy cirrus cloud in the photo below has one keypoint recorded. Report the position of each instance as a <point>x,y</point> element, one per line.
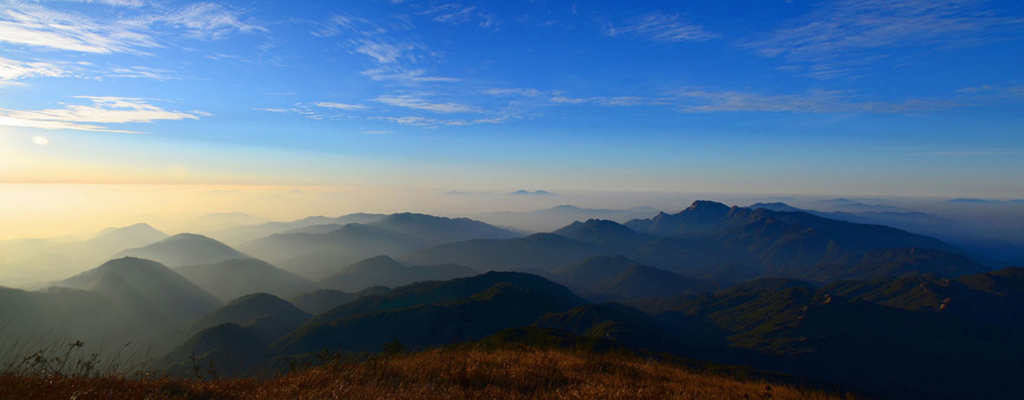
<point>699,100</point>
<point>520,92</point>
<point>33,25</point>
<point>386,44</point>
<point>372,39</point>
<point>205,21</point>
<point>120,3</point>
<point>813,101</point>
<point>341,106</point>
<point>425,122</point>
<point>319,110</point>
<point>102,110</point>
<point>11,71</point>
<point>659,27</point>
<point>456,14</point>
<point>157,74</point>
<point>405,76</point>
<point>843,36</point>
<point>418,103</point>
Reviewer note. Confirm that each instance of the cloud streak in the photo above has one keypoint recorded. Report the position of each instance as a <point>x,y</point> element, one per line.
<point>660,27</point>
<point>11,71</point>
<point>341,106</point>
<point>699,100</point>
<point>835,39</point>
<point>103,110</point>
<point>32,25</point>
<point>416,103</point>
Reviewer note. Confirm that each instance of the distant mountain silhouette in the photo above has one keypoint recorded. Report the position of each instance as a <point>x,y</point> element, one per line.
<point>985,201</point>
<point>217,222</point>
<point>385,271</point>
<point>34,260</point>
<point>318,255</point>
<point>777,207</point>
<point>132,281</point>
<point>550,219</point>
<point>710,240</point>
<point>114,239</point>
<point>185,249</point>
<point>606,233</point>
<point>542,251</point>
<point>322,300</point>
<point>911,221</point>
<point>242,234</point>
<point>710,235</point>
<point>231,279</point>
<point>619,278</point>
<point>265,315</point>
<point>438,230</point>
<point>432,314</point>
<point>529,193</point>
<point>848,205</point>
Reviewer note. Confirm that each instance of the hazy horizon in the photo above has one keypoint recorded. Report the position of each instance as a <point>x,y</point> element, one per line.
<point>56,210</point>
<point>820,98</point>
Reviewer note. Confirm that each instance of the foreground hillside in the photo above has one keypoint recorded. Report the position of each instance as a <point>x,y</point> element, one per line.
<point>444,373</point>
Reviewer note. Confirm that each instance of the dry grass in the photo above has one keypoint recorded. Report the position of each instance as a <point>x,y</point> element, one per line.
<point>438,374</point>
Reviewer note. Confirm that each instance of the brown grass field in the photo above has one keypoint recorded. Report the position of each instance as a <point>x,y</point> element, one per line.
<point>437,374</point>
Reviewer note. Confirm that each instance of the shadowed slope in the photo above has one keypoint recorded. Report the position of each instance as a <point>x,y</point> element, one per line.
<point>172,294</point>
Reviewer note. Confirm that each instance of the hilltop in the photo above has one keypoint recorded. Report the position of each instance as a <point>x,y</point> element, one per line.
<point>472,373</point>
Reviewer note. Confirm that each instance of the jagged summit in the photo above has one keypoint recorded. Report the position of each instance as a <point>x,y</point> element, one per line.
<point>707,206</point>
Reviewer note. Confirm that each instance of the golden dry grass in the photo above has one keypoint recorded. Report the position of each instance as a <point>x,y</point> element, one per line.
<point>438,374</point>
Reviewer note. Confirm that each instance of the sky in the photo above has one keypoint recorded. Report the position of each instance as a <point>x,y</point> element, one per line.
<point>835,97</point>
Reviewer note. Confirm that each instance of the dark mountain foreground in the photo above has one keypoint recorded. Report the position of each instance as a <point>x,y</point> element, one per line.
<point>470,372</point>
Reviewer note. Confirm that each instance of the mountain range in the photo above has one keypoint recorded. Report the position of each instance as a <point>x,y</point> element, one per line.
<point>185,249</point>
<point>27,262</point>
<point>870,307</point>
<point>320,255</point>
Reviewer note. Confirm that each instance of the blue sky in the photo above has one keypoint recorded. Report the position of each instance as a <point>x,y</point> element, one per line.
<point>901,98</point>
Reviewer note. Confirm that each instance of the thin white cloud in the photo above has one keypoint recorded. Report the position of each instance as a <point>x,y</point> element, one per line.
<point>660,27</point>
<point>436,122</point>
<point>119,3</point>
<point>341,106</point>
<point>33,25</point>
<point>421,104</point>
<point>624,101</point>
<point>29,24</point>
<point>11,71</point>
<point>698,100</point>
<point>371,39</point>
<point>457,14</point>
<point>384,52</point>
<point>835,39</point>
<point>205,21</point>
<point>103,110</point>
<point>814,101</point>
<point>143,72</point>
<point>519,92</point>
<point>405,76</point>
